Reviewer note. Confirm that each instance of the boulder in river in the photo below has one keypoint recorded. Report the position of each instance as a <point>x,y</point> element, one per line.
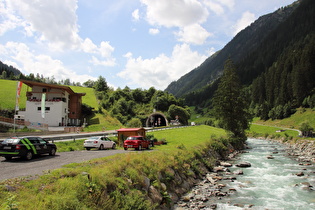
<point>225,164</point>
<point>270,157</point>
<point>243,165</point>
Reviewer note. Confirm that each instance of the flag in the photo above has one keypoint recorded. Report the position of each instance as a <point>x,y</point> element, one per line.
<point>18,93</point>
<point>43,105</point>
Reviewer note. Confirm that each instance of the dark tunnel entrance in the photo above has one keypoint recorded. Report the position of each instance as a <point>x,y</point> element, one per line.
<point>156,120</point>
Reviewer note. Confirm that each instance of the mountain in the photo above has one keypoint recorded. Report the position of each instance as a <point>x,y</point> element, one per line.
<point>239,48</point>
<point>8,69</point>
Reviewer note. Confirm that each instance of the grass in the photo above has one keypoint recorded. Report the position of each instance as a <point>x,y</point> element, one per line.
<point>271,131</point>
<point>294,121</point>
<point>96,123</point>
<point>8,94</point>
<point>89,98</point>
<point>102,122</point>
<point>116,182</point>
<point>77,145</point>
<point>189,137</point>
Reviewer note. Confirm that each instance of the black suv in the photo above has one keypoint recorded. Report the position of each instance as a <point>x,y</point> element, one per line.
<point>26,147</point>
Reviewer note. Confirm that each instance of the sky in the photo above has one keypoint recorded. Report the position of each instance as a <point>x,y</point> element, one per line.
<point>134,43</point>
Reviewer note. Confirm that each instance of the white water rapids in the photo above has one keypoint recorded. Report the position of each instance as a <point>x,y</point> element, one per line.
<point>270,183</point>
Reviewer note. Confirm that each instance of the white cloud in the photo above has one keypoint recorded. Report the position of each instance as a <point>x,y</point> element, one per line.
<point>135,15</point>
<point>161,70</point>
<point>175,13</point>
<point>154,31</point>
<point>107,62</point>
<point>55,24</point>
<point>41,64</point>
<point>88,46</point>
<point>246,19</point>
<point>214,7</point>
<point>55,21</point>
<point>9,20</point>
<point>227,3</point>
<point>194,34</point>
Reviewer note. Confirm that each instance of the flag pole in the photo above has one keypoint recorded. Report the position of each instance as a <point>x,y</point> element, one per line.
<point>17,102</point>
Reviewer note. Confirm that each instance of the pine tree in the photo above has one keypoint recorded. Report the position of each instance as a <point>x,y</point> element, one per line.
<point>230,108</point>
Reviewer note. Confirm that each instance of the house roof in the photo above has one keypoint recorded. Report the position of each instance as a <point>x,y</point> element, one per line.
<point>40,84</point>
<point>130,129</point>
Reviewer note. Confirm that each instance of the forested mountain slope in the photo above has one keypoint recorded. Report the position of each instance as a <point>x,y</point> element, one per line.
<point>242,45</point>
<point>277,69</point>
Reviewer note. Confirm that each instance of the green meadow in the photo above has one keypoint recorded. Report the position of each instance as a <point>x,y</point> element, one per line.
<point>8,94</point>
<point>117,182</point>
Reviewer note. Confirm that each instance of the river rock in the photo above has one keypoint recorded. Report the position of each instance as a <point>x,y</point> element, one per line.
<point>243,164</point>
<point>225,164</point>
<point>218,169</point>
<point>270,157</point>
<point>238,172</point>
<point>213,206</point>
<point>300,174</point>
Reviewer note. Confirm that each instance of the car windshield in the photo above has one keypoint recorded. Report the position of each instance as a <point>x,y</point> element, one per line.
<point>93,138</point>
<point>11,141</point>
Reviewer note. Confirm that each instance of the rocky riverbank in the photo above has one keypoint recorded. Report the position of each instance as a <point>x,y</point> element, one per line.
<point>213,187</point>
<point>303,150</point>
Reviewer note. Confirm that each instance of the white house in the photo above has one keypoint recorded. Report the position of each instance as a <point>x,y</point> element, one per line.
<point>62,104</point>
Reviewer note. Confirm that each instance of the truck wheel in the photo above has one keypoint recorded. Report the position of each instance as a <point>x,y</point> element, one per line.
<point>29,155</point>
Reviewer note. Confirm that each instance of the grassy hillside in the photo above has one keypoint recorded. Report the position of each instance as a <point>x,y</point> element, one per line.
<point>97,122</point>
<point>301,115</point>
<point>8,94</point>
<point>89,98</point>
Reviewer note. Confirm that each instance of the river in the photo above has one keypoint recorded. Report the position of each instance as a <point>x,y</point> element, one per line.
<point>274,181</point>
<point>271,183</point>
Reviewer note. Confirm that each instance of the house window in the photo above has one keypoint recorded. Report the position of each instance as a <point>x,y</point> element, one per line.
<point>44,90</point>
<point>40,108</point>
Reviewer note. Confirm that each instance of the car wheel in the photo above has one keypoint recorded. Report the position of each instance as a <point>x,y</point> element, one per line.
<point>87,148</point>
<point>140,148</point>
<point>52,152</point>
<point>101,147</point>
<point>8,157</point>
<point>125,148</point>
<point>29,155</point>
<point>114,146</point>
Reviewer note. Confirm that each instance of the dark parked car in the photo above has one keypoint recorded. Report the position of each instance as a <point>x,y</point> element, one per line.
<point>26,147</point>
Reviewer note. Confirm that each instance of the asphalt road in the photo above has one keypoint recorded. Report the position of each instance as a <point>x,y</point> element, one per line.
<point>18,167</point>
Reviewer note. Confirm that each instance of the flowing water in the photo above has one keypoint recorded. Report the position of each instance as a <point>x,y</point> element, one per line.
<point>270,183</point>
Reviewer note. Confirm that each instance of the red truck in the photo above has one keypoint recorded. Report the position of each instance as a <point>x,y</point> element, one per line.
<point>137,142</point>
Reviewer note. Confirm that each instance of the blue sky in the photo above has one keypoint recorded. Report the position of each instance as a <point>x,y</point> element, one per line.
<point>134,43</point>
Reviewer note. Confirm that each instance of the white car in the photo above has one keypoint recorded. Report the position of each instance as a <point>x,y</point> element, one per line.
<point>100,142</point>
